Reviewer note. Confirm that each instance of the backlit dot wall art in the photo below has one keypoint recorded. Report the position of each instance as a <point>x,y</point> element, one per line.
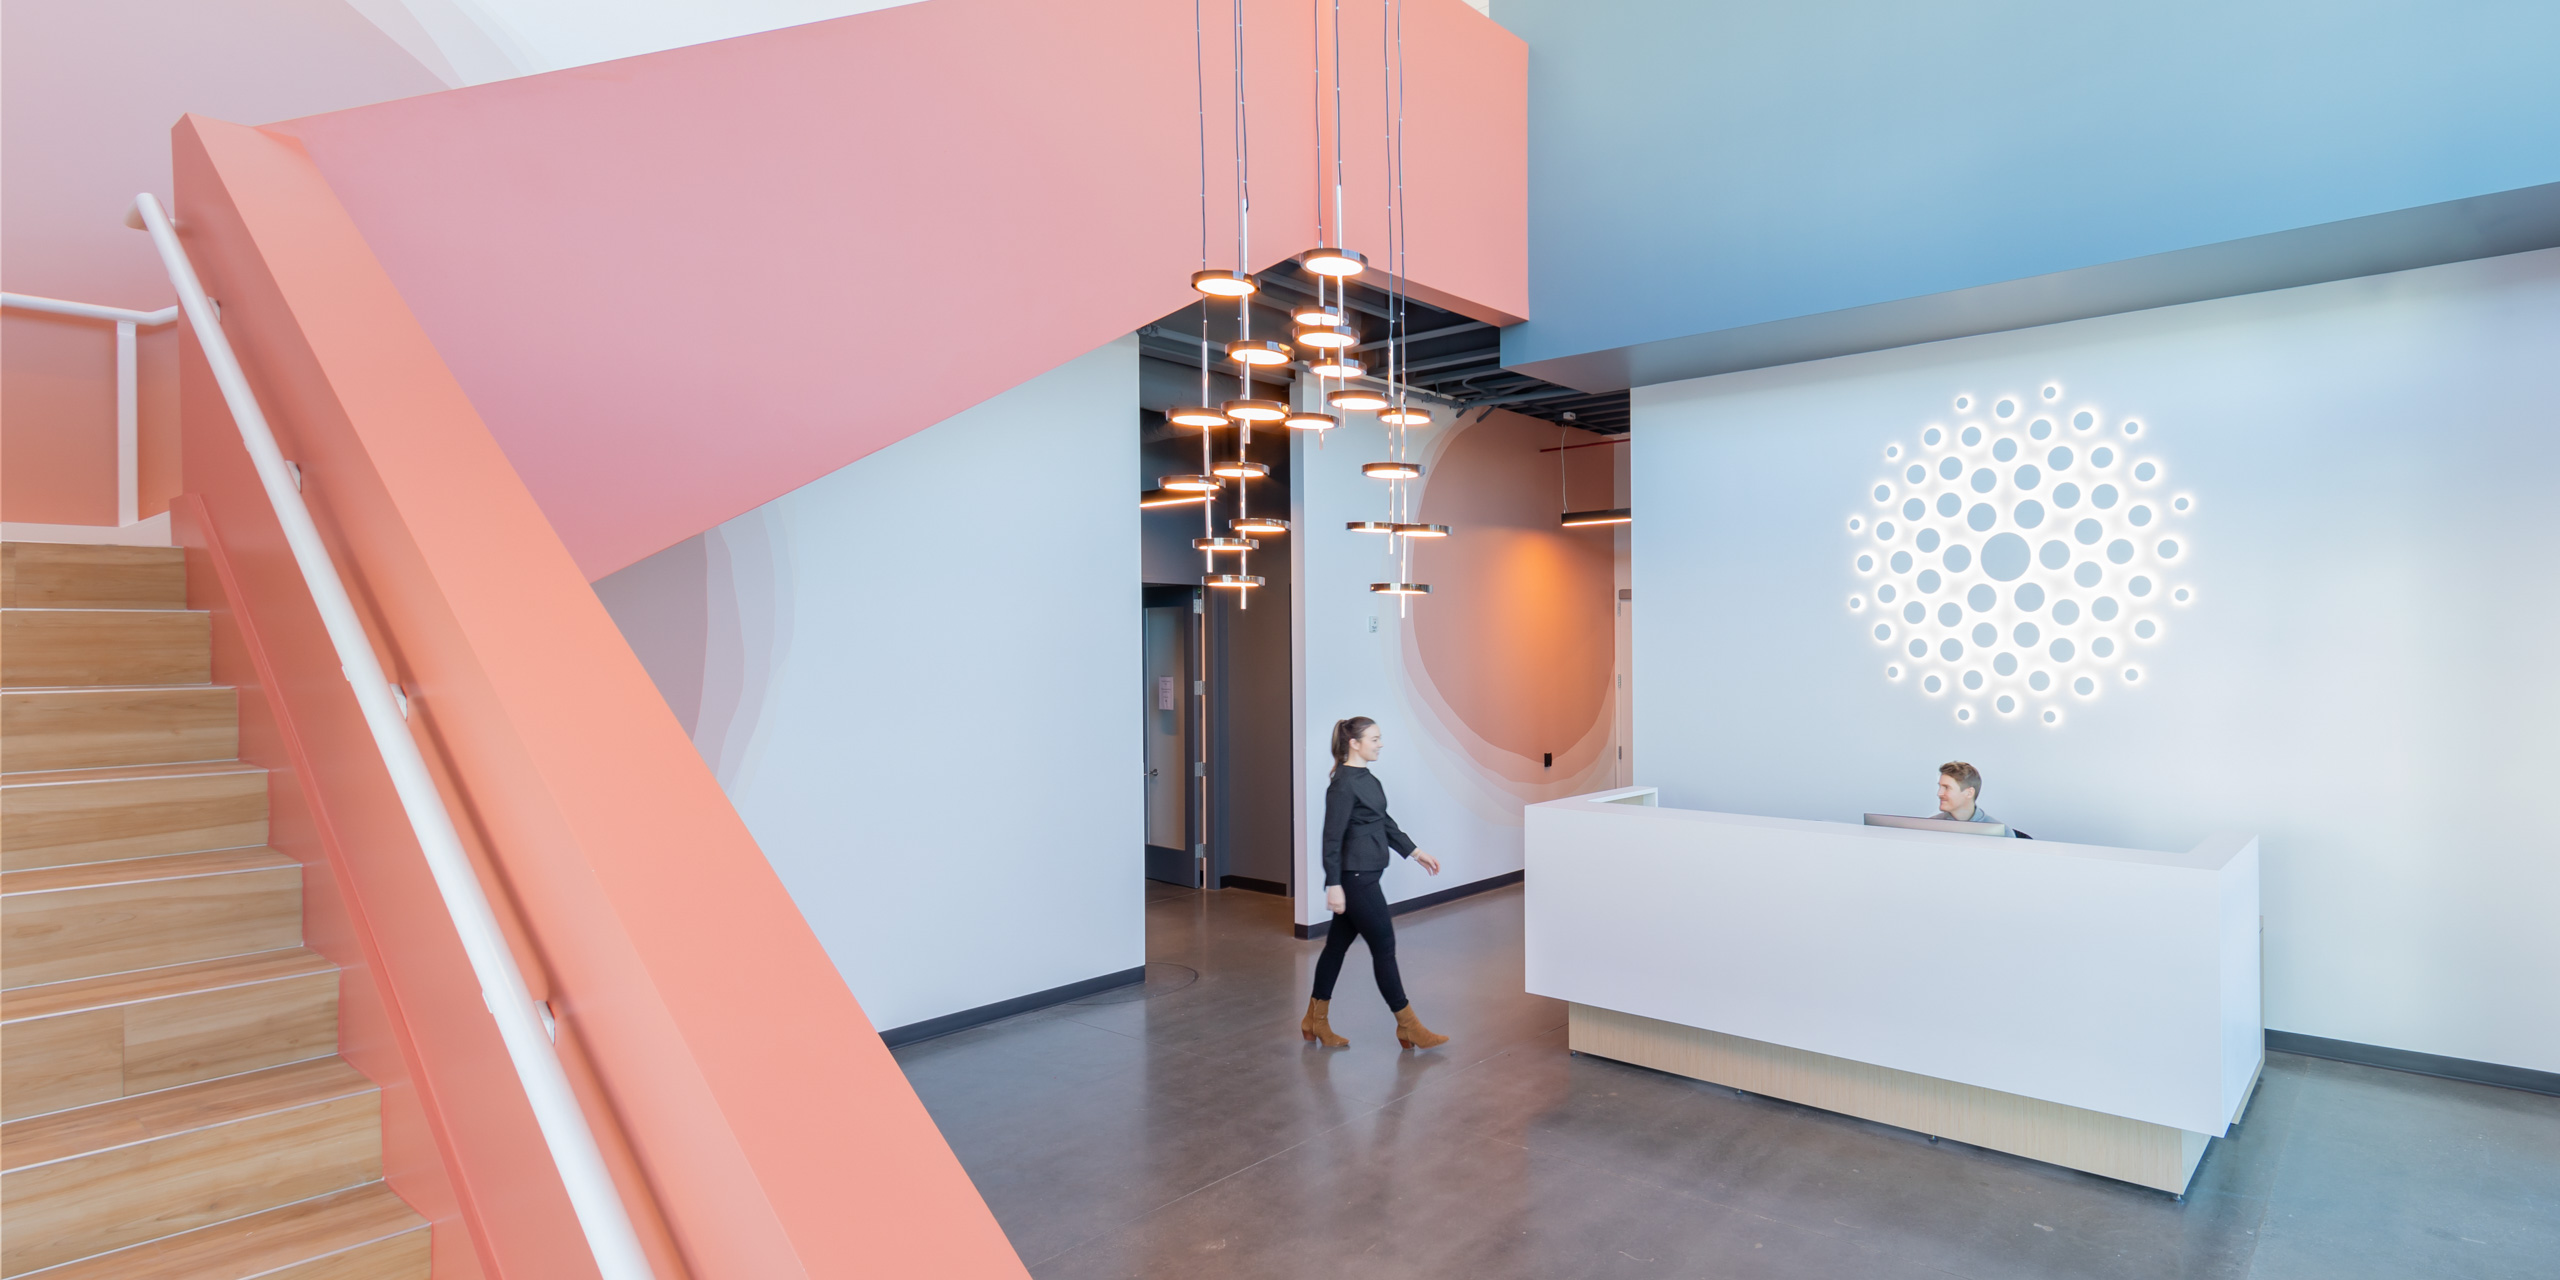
<point>2020,558</point>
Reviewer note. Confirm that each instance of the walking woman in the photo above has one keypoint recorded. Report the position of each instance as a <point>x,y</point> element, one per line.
<point>1357,835</point>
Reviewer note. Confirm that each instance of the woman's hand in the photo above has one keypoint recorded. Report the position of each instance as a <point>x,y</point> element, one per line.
<point>1333,901</point>
<point>1429,863</point>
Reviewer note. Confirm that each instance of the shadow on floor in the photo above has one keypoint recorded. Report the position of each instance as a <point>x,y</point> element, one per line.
<point>1183,1129</point>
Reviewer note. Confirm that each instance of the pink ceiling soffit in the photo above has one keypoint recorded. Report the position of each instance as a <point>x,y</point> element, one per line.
<point>681,285</point>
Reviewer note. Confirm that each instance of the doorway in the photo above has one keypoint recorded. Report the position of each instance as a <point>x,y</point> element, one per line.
<point>1170,709</point>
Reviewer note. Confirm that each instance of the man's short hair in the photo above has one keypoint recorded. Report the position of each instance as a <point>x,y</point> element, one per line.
<point>1965,775</point>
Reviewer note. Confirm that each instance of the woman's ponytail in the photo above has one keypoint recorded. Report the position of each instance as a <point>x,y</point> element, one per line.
<point>1346,732</point>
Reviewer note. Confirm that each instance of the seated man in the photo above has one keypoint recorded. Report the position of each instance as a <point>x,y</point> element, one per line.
<point>1958,785</point>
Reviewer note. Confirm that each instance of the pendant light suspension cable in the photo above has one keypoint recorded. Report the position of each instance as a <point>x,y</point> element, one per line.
<point>1200,106</point>
<point>1244,306</point>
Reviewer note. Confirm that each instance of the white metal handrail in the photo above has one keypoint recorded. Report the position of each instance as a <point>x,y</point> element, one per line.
<point>128,384</point>
<point>599,1206</point>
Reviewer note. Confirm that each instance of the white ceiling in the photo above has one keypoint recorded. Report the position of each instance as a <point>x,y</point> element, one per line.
<point>89,89</point>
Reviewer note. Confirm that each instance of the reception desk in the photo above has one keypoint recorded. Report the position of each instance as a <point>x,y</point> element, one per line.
<point>2092,1007</point>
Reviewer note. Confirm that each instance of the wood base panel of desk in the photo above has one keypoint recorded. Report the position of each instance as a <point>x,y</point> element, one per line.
<point>2150,1155</point>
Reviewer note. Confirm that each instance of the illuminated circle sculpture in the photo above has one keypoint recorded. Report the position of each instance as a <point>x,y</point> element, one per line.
<point>2020,558</point>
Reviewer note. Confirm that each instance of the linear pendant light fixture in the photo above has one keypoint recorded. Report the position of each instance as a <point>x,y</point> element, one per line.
<point>1564,497</point>
<point>1605,515</point>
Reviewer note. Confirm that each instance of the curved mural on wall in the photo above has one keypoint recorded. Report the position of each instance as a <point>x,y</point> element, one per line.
<point>1513,656</point>
<point>2021,558</point>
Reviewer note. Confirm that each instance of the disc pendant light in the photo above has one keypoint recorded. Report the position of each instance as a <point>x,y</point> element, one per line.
<point>1405,416</point>
<point>1260,353</point>
<point>1333,263</point>
<point>1216,545</point>
<point>1224,284</point>
<point>1242,470</point>
<point>1310,420</point>
<point>1256,410</point>
<point>1336,364</point>
<point>1258,525</point>
<point>1356,400</point>
<point>1196,415</point>
<point>1392,470</point>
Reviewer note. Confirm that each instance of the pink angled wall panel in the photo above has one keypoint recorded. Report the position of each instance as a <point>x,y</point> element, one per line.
<point>680,285</point>
<point>741,1092</point>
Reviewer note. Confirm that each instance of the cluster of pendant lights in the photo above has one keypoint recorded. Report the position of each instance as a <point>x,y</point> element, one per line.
<point>1322,328</point>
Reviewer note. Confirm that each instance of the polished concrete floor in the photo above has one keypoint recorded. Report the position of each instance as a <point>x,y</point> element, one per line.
<point>1183,1129</point>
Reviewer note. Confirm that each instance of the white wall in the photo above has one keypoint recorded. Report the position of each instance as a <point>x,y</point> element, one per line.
<point>915,686</point>
<point>1357,656</point>
<point>2365,675</point>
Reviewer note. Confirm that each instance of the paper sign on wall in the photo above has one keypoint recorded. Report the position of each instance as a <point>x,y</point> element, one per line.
<point>1164,693</point>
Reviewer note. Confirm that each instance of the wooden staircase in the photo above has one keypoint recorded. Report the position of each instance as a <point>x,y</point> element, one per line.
<point>171,1099</point>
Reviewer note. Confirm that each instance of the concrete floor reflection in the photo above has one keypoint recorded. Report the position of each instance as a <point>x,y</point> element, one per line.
<point>1187,1131</point>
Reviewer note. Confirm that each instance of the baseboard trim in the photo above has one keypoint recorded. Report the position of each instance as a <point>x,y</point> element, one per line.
<point>2416,1063</point>
<point>1257,886</point>
<point>1469,889</point>
<point>900,1037</point>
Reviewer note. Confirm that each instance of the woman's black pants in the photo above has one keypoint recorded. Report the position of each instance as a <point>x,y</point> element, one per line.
<point>1364,915</point>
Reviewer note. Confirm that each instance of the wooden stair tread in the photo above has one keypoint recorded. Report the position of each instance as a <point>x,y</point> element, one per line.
<point>126,773</point>
<point>83,576</point>
<point>87,647</point>
<point>262,1244</point>
<point>169,866</point>
<point>85,726</point>
<point>145,1117</point>
<point>134,987</point>
<point>19,690</point>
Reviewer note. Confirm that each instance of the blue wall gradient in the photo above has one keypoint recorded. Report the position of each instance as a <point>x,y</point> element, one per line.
<point>1695,167</point>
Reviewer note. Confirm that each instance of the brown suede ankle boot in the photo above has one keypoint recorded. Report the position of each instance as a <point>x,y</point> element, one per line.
<point>1315,1027</point>
<point>1413,1035</point>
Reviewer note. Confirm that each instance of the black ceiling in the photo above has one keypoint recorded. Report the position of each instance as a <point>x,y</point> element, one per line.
<point>1446,355</point>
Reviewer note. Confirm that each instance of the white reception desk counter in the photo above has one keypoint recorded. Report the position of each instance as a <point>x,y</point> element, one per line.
<point>2087,1006</point>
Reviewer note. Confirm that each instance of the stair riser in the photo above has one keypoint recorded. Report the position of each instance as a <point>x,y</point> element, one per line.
<point>367,1233</point>
<point>105,728</point>
<point>62,824</point>
<point>104,646</point>
<point>88,1204</point>
<point>94,1055</point>
<point>402,1257</point>
<point>59,576</point>
<point>80,933</point>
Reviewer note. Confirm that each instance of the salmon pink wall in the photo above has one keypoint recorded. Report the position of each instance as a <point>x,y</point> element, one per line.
<point>680,285</point>
<point>58,419</point>
<point>738,1087</point>
<point>1519,642</point>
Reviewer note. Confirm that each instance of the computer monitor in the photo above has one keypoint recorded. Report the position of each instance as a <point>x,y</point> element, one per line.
<point>1949,825</point>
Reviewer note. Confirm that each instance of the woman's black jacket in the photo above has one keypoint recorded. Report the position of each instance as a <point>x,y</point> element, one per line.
<point>1357,831</point>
